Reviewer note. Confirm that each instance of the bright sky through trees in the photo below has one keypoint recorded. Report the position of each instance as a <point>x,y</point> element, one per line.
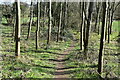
<point>11,1</point>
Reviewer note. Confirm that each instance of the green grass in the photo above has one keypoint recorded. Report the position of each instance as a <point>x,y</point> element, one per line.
<point>32,63</point>
<point>35,63</point>
<point>83,68</point>
<point>116,25</point>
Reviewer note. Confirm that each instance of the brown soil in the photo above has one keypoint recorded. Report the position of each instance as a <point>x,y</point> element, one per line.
<point>61,72</point>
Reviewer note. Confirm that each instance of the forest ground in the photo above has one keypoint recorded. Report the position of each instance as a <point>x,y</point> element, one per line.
<point>44,63</point>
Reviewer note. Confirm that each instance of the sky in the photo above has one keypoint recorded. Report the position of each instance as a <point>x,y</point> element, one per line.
<point>28,1</point>
<point>11,1</point>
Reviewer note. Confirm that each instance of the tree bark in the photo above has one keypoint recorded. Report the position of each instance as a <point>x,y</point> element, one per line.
<point>59,26</point>
<point>106,21</point>
<point>17,29</point>
<point>88,27</point>
<point>37,29</point>
<point>100,59</point>
<point>30,23</point>
<point>49,24</point>
<point>81,26</point>
<point>96,21</point>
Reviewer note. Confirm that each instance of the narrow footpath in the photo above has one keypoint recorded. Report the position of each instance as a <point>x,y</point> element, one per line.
<point>61,72</point>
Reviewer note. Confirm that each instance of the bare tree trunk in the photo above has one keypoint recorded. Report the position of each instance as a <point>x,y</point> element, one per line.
<point>17,29</point>
<point>30,23</point>
<point>81,26</point>
<point>59,26</point>
<point>49,24</point>
<point>100,59</point>
<point>14,24</point>
<point>66,12</point>
<point>96,21</point>
<point>37,29</point>
<point>109,24</point>
<point>106,20</point>
<point>88,27</point>
<point>84,31</point>
<point>44,14</point>
<point>99,25</point>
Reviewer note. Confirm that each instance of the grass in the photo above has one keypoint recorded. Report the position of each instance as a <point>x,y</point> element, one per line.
<point>36,64</point>
<point>116,25</point>
<point>32,63</point>
<point>84,69</point>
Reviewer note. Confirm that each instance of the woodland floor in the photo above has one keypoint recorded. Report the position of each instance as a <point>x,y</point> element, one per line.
<point>62,60</point>
<point>62,71</point>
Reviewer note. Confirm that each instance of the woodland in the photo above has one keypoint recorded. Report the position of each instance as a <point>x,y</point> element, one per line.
<point>60,40</point>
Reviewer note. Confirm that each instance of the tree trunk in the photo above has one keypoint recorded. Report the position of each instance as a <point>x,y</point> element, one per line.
<point>111,21</point>
<point>99,25</point>
<point>17,29</point>
<point>88,27</point>
<point>59,26</point>
<point>109,24</point>
<point>37,29</point>
<point>44,14</point>
<point>106,21</point>
<point>30,23</point>
<point>96,21</point>
<point>100,59</point>
<point>81,26</point>
<point>49,24</point>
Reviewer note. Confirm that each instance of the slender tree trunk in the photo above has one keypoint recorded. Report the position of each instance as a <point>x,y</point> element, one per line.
<point>88,27</point>
<point>17,29</point>
<point>81,26</point>
<point>44,14</point>
<point>96,21</point>
<point>100,59</point>
<point>30,23</point>
<point>84,31</point>
<point>111,22</point>
<point>64,19</point>
<point>37,29</point>
<point>14,24</point>
<point>66,12</point>
<point>59,26</point>
<point>99,25</point>
<point>49,24</point>
<point>106,21</point>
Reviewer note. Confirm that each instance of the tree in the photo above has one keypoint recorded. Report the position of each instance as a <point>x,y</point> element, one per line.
<point>17,29</point>
<point>97,16</point>
<point>59,26</point>
<point>49,24</point>
<point>82,22</point>
<point>31,16</point>
<point>90,10</point>
<point>100,59</point>
<point>37,29</point>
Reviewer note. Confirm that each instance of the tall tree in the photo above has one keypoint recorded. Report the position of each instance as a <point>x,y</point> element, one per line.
<point>82,22</point>
<point>37,29</point>
<point>17,29</point>
<point>59,26</point>
<point>90,10</point>
<point>49,24</point>
<point>97,16</point>
<point>31,16</point>
<point>100,59</point>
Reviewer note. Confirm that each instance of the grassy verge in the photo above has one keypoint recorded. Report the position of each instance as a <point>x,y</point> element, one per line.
<point>82,68</point>
<point>32,63</point>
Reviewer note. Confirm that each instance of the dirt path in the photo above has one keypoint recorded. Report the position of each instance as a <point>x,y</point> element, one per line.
<point>61,72</point>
